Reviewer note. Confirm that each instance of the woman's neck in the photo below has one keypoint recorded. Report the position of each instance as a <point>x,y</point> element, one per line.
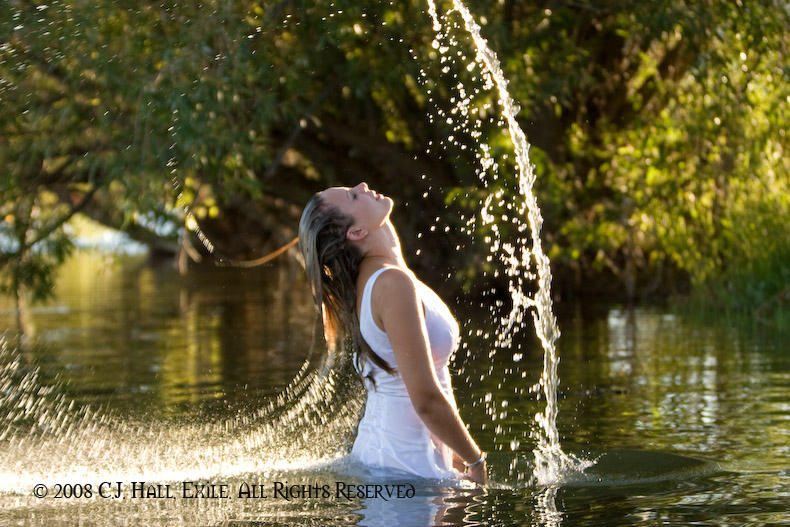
<point>384,247</point>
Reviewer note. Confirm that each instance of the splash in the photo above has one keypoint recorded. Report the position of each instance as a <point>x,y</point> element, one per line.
<point>47,438</point>
<point>551,462</point>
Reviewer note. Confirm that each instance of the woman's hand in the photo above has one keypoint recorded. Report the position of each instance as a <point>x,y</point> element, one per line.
<point>478,473</point>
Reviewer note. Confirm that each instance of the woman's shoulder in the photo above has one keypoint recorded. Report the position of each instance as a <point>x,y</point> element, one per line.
<point>395,287</point>
<point>393,280</point>
<point>392,284</point>
<point>371,274</point>
<point>382,281</point>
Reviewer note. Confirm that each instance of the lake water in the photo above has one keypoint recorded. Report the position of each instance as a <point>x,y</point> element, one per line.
<point>138,374</point>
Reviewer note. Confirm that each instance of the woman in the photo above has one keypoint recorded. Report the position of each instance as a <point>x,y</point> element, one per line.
<point>400,331</point>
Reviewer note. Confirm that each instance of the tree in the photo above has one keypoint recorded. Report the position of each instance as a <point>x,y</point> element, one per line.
<point>650,165</point>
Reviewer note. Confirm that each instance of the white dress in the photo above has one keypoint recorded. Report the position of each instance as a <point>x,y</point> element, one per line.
<point>391,435</point>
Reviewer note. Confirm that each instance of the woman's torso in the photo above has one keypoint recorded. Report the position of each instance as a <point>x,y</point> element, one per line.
<point>442,329</point>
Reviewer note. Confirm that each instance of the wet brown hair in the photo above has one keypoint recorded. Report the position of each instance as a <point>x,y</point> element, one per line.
<point>332,267</point>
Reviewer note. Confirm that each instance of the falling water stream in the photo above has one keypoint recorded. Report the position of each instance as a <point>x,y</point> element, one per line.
<point>550,460</point>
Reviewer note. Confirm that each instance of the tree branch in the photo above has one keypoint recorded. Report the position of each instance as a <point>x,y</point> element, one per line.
<point>44,233</point>
<point>297,130</point>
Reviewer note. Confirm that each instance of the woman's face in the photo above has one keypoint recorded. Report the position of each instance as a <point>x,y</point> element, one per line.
<point>369,209</point>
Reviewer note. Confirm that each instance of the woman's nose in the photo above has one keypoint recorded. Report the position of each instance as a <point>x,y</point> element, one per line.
<point>363,186</point>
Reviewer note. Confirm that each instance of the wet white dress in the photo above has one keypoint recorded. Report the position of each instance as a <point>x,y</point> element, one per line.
<point>391,435</point>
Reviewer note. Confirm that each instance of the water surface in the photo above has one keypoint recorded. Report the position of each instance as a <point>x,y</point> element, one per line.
<point>136,373</point>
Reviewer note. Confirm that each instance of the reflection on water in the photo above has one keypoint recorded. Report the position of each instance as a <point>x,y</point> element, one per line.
<point>138,374</point>
<point>169,343</point>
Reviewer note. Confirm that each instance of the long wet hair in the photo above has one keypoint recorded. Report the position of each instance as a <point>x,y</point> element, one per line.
<point>332,266</point>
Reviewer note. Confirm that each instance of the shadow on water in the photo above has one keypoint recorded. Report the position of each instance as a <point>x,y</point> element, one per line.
<point>616,468</point>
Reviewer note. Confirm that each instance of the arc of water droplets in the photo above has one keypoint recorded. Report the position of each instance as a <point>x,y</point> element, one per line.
<point>190,220</point>
<point>550,461</point>
<point>46,437</point>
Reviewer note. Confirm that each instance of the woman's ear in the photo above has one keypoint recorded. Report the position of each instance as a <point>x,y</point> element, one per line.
<point>356,234</point>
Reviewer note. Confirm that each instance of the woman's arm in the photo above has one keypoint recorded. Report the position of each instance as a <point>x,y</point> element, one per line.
<point>396,301</point>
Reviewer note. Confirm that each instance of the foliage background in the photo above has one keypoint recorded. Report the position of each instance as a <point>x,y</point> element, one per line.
<point>659,133</point>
